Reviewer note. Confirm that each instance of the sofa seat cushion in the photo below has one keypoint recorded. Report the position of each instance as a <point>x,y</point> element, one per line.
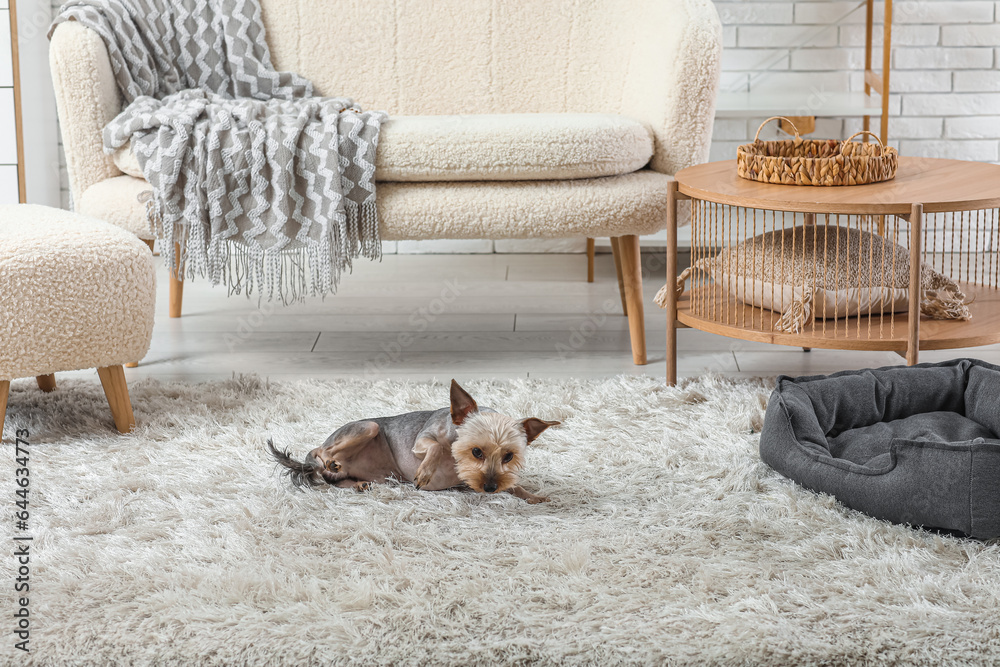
<point>499,147</point>
<point>511,147</point>
<point>634,203</point>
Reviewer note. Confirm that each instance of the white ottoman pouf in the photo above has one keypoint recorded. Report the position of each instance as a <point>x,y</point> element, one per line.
<point>75,293</point>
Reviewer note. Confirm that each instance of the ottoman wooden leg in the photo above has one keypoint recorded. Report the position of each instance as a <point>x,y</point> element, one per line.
<point>46,383</point>
<point>176,296</point>
<point>113,381</point>
<point>628,248</point>
<point>4,391</point>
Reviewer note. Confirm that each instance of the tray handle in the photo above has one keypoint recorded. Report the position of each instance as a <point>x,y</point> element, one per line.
<point>756,137</point>
<point>881,146</point>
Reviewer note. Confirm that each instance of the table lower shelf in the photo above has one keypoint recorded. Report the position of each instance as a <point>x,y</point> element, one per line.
<point>887,331</point>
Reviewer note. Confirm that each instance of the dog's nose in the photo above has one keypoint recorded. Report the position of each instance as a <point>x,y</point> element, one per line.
<point>490,487</point>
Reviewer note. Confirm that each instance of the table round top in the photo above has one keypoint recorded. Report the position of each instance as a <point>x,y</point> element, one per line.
<point>940,185</point>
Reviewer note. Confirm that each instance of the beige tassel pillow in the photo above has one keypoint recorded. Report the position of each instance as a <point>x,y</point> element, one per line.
<point>825,272</point>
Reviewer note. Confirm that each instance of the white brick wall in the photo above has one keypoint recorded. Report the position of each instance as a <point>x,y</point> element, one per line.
<point>945,80</point>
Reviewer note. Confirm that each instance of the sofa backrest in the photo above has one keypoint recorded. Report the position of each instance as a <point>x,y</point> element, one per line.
<point>471,56</point>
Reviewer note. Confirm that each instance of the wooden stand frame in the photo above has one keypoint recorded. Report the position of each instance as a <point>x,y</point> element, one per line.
<point>873,80</point>
<point>913,316</point>
<point>671,305</point>
<point>967,192</point>
<point>18,117</point>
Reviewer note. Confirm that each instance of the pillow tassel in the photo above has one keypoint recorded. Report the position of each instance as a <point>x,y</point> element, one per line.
<point>797,314</point>
<point>701,265</point>
<point>943,299</point>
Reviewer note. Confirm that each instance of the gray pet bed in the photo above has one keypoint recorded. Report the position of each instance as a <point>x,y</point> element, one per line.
<point>915,445</point>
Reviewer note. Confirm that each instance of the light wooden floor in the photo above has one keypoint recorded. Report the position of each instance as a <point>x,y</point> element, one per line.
<point>463,316</point>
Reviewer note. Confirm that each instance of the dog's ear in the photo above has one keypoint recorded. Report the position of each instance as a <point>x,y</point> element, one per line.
<point>533,427</point>
<point>461,404</point>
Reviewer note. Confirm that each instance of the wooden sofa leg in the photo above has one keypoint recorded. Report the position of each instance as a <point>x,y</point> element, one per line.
<point>46,383</point>
<point>176,288</point>
<point>4,392</point>
<point>631,260</point>
<point>617,254</point>
<point>113,381</point>
<point>591,252</point>
<point>176,296</point>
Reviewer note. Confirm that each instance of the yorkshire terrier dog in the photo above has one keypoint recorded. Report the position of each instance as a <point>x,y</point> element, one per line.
<point>434,449</point>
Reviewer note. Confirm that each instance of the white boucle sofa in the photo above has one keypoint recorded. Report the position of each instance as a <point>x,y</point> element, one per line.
<point>523,119</point>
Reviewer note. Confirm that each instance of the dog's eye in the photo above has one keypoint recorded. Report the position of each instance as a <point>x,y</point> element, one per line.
<point>478,453</point>
<point>508,457</point>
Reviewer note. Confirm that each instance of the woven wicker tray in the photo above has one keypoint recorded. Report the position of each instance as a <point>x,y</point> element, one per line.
<point>801,161</point>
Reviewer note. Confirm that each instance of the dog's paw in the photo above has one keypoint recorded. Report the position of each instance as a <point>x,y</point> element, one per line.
<point>534,500</point>
<point>422,479</point>
<point>361,487</point>
<point>332,466</point>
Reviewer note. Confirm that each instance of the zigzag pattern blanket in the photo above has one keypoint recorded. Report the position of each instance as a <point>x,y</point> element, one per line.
<point>263,185</point>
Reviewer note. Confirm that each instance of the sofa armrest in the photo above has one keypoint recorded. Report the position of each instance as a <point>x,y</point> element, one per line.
<point>87,98</point>
<point>673,79</point>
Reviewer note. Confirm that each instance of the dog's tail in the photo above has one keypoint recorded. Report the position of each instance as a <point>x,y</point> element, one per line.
<point>304,473</point>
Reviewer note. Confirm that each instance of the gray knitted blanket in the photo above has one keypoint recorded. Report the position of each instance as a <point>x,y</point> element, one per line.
<point>263,185</point>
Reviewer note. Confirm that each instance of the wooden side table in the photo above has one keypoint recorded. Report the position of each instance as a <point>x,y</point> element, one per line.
<point>946,211</point>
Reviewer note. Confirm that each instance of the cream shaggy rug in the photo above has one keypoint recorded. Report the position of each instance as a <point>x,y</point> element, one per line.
<point>667,541</point>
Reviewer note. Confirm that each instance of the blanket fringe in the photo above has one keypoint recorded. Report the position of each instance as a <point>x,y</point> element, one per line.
<point>286,274</point>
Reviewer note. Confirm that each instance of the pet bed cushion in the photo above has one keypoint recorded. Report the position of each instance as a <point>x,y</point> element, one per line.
<point>826,272</point>
<point>498,147</point>
<point>915,445</point>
